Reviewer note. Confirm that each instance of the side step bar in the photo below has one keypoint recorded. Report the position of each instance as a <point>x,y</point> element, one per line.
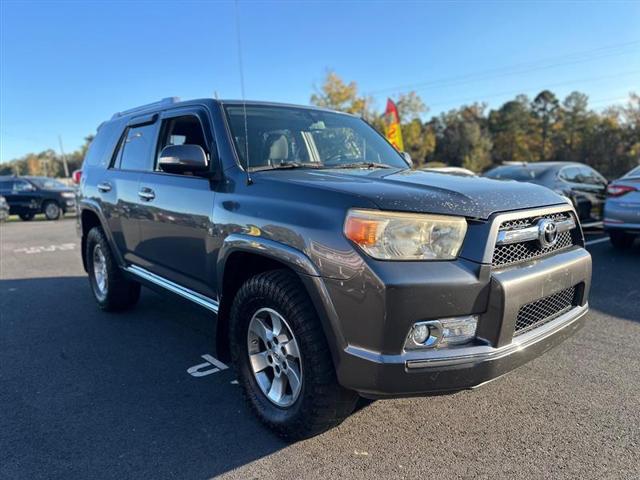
<point>184,292</point>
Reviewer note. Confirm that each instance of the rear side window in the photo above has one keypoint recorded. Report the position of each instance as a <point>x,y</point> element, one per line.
<point>137,151</point>
<point>570,174</point>
<point>101,148</point>
<point>6,186</point>
<point>22,186</point>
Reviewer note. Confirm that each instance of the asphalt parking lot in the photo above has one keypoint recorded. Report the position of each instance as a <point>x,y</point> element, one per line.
<point>85,394</point>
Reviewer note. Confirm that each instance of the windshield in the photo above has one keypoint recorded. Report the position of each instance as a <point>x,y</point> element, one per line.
<point>47,183</point>
<point>521,174</point>
<point>281,136</point>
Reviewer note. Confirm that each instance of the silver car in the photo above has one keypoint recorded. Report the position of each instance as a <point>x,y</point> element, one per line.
<point>622,209</point>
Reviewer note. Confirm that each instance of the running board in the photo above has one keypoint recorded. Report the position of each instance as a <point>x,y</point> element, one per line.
<point>184,292</point>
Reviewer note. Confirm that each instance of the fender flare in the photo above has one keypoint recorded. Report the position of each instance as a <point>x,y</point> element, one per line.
<point>93,207</point>
<point>306,271</point>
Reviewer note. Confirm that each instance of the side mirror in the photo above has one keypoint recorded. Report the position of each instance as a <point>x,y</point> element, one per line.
<point>183,158</point>
<point>407,158</point>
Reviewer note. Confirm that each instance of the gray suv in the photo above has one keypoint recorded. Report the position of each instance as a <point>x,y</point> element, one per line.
<point>332,268</point>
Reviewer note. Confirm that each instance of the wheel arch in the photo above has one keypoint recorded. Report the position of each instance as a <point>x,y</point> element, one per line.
<point>242,257</point>
<point>89,217</point>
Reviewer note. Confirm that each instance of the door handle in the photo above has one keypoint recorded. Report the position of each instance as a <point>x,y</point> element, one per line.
<point>146,194</point>
<point>104,187</point>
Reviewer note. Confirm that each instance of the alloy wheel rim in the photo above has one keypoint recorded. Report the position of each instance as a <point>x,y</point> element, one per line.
<point>100,270</point>
<point>51,210</point>
<point>274,357</point>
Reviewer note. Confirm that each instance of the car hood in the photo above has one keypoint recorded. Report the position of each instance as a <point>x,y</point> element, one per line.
<point>424,192</point>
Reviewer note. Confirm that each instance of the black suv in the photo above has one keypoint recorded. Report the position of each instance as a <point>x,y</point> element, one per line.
<point>333,269</point>
<point>28,196</point>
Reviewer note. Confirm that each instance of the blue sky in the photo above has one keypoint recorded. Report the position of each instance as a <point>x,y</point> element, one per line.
<point>66,66</point>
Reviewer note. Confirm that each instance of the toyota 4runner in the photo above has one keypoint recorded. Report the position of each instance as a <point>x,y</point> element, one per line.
<point>334,270</point>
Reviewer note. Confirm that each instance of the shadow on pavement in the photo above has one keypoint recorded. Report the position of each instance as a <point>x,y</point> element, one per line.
<point>615,286</point>
<point>87,394</point>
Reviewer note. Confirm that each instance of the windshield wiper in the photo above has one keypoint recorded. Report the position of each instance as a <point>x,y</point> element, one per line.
<point>363,165</point>
<point>287,165</point>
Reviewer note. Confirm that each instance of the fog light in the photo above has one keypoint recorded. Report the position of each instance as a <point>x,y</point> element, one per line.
<point>443,332</point>
<point>420,334</point>
<point>458,330</point>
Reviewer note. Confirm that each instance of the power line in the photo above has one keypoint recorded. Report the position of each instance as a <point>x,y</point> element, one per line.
<point>521,90</point>
<point>518,69</point>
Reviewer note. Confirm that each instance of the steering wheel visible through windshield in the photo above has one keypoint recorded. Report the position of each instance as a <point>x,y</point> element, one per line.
<point>282,136</point>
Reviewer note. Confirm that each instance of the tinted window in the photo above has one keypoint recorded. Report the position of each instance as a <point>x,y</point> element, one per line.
<point>101,148</point>
<point>571,174</point>
<point>590,176</point>
<point>22,186</point>
<point>185,130</point>
<point>6,185</point>
<point>522,174</point>
<point>280,135</point>
<point>48,183</point>
<point>138,148</point>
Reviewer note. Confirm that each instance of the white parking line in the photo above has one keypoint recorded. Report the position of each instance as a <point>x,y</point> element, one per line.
<point>597,240</point>
<point>45,248</point>
<point>212,365</point>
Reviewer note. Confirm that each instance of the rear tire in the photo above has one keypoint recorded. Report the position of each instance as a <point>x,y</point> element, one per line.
<point>52,210</point>
<point>621,240</point>
<point>111,289</point>
<point>27,216</point>
<point>321,402</point>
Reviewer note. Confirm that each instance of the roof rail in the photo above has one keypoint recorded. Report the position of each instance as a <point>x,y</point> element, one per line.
<point>160,103</point>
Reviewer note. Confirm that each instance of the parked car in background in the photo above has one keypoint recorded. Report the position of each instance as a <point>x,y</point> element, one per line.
<point>76,176</point>
<point>584,186</point>
<point>622,209</point>
<point>4,209</point>
<point>28,196</point>
<point>463,172</point>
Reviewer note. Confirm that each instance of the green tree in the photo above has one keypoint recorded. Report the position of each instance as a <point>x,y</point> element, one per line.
<point>511,126</point>
<point>338,95</point>
<point>410,107</point>
<point>463,138</point>
<point>545,108</point>
<point>574,118</point>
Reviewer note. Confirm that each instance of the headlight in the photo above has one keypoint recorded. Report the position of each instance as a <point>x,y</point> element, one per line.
<point>405,236</point>
<point>68,195</point>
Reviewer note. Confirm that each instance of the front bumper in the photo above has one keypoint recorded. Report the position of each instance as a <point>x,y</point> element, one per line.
<point>378,374</point>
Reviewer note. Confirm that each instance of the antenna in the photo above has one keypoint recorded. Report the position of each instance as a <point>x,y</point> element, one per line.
<point>244,103</point>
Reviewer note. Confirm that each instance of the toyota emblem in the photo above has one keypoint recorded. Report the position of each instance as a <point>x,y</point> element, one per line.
<point>547,233</point>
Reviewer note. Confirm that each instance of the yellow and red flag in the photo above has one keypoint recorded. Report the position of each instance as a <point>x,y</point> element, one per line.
<point>392,126</point>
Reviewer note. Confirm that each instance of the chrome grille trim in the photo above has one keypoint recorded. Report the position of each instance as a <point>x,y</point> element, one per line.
<point>516,243</point>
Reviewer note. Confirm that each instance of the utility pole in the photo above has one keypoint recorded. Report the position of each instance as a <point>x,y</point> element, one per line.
<point>64,158</point>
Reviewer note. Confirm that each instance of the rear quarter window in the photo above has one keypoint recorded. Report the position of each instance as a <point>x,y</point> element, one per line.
<point>101,149</point>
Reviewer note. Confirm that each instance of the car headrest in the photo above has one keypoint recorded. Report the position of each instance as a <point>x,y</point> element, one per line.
<point>279,149</point>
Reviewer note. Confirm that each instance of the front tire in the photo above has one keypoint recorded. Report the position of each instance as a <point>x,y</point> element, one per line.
<point>111,289</point>
<point>621,240</point>
<point>52,211</point>
<point>283,359</point>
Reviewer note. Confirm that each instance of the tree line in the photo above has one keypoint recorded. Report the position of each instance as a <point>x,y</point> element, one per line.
<point>521,130</point>
<point>47,163</point>
<point>471,136</point>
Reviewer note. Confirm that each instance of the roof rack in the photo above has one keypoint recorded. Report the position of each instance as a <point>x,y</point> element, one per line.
<point>165,101</point>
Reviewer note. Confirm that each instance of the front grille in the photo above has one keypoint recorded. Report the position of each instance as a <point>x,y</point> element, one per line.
<point>519,252</point>
<point>542,311</point>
